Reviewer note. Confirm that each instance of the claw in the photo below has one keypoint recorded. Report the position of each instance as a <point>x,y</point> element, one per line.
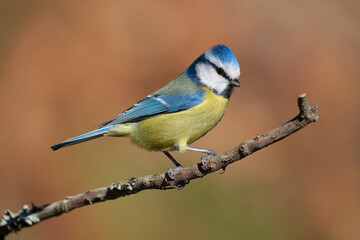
<point>170,173</point>
<point>181,187</point>
<point>223,170</point>
<point>205,158</point>
<point>172,170</point>
<point>203,161</point>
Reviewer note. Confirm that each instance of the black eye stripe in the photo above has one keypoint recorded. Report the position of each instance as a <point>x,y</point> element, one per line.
<point>219,71</point>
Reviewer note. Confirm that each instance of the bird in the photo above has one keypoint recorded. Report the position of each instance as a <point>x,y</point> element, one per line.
<point>181,112</point>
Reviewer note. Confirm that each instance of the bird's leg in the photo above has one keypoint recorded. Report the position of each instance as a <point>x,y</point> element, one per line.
<point>171,170</point>
<point>207,151</point>
<point>210,153</point>
<point>177,164</point>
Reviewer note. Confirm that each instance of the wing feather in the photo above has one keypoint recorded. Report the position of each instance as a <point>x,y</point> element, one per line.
<point>157,104</point>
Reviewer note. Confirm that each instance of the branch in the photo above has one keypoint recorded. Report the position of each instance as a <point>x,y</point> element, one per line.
<point>13,222</point>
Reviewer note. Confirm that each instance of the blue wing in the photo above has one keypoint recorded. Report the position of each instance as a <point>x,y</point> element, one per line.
<point>157,104</point>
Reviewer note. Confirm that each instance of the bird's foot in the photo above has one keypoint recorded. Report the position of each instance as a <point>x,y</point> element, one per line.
<point>171,171</point>
<point>205,158</point>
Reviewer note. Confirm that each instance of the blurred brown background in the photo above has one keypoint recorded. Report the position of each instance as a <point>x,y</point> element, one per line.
<point>67,66</point>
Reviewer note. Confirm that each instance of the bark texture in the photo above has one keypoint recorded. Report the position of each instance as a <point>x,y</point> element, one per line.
<point>29,216</point>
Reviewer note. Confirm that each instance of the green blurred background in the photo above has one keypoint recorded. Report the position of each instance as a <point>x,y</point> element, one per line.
<point>67,66</point>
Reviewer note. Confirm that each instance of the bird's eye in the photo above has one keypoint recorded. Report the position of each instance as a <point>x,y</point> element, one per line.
<point>220,71</point>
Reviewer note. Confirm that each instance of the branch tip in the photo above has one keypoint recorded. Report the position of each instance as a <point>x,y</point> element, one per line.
<point>303,95</point>
<point>310,113</point>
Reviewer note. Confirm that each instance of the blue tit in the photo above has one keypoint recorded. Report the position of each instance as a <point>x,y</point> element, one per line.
<point>181,112</point>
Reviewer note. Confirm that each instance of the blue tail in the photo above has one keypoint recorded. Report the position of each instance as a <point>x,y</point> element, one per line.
<point>82,138</point>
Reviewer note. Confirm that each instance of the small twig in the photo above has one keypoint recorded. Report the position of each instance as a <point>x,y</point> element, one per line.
<point>13,222</point>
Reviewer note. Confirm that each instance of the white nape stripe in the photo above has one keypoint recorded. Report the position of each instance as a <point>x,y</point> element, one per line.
<point>210,78</point>
<point>161,101</point>
<point>209,56</point>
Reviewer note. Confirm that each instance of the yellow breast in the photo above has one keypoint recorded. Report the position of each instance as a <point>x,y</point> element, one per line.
<point>176,130</point>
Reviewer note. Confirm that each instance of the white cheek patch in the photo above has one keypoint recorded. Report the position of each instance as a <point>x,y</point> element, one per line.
<point>232,70</point>
<point>209,77</point>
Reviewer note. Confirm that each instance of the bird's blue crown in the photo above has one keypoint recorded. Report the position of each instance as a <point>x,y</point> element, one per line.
<point>219,58</point>
<point>224,54</point>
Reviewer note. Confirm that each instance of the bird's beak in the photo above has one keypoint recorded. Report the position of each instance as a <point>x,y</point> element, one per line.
<point>235,83</point>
